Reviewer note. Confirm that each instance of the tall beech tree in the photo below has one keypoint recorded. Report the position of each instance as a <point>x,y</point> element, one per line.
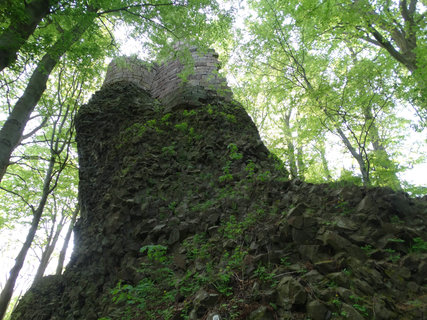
<point>49,184</point>
<point>59,142</point>
<point>398,28</point>
<point>344,84</point>
<point>50,147</point>
<point>13,128</point>
<point>20,19</point>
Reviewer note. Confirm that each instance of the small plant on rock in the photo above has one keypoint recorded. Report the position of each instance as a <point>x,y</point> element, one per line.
<point>419,245</point>
<point>155,291</point>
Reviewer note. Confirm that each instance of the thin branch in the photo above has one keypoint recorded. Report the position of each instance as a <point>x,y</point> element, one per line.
<point>155,23</point>
<point>29,134</point>
<point>113,40</point>
<point>19,196</point>
<point>138,6</point>
<point>17,175</point>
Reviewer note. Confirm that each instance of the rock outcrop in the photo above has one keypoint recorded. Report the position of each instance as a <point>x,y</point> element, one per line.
<point>186,215</point>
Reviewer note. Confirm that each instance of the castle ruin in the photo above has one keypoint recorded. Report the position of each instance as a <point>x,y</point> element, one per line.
<point>166,82</point>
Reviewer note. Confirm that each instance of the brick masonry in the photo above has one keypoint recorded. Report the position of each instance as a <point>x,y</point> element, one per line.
<point>164,83</point>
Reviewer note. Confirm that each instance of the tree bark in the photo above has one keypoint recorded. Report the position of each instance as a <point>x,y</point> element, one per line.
<point>66,242</point>
<point>7,291</point>
<point>12,39</point>
<point>13,128</point>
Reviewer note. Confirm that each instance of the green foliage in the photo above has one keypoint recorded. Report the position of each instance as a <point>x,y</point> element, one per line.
<point>348,178</point>
<point>156,253</point>
<point>250,169</point>
<point>368,249</point>
<point>154,295</point>
<point>393,256</point>
<point>264,176</point>
<point>232,228</point>
<point>197,247</point>
<point>166,117</point>
<point>227,176</point>
<point>169,151</point>
<point>419,245</point>
<point>306,78</point>
<point>284,261</point>
<point>203,206</point>
<point>265,275</point>
<point>182,126</point>
<point>361,309</point>
<point>234,155</point>
<point>189,113</point>
<point>228,117</point>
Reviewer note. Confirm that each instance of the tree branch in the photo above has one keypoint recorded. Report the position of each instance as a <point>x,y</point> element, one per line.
<point>138,6</point>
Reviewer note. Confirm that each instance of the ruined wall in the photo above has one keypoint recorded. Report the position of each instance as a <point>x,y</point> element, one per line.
<point>164,83</point>
<point>130,69</point>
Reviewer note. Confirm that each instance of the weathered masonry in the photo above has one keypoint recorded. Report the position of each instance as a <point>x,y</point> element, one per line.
<point>164,83</point>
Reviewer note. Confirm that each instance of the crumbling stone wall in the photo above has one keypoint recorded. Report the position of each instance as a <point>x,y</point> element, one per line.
<point>164,82</point>
<point>130,69</point>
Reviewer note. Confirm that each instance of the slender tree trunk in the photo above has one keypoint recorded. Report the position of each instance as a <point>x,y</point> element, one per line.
<point>290,144</point>
<point>13,128</point>
<point>66,242</point>
<point>7,291</point>
<point>359,158</point>
<point>321,148</point>
<point>383,160</point>
<point>12,39</point>
<point>47,253</point>
<point>300,152</point>
<point>300,162</point>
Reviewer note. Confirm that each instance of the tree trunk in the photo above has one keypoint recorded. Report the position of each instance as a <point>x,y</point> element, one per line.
<point>300,153</point>
<point>290,144</point>
<point>380,152</point>
<point>300,162</point>
<point>359,158</point>
<point>47,253</point>
<point>13,128</point>
<point>12,39</point>
<point>7,291</point>
<point>66,242</point>
<point>321,149</point>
